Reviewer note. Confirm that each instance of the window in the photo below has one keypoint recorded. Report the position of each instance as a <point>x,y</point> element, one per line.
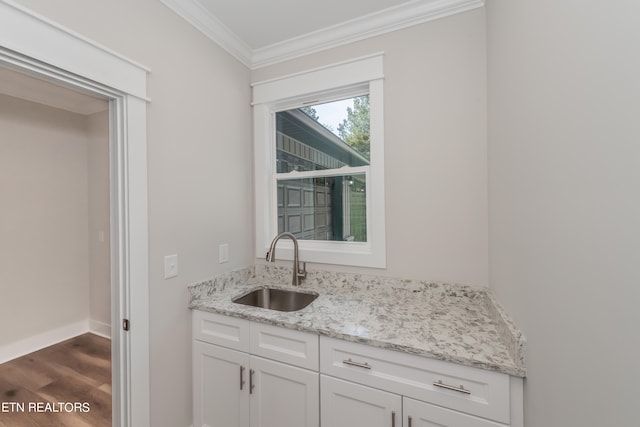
<point>319,160</point>
<point>321,153</point>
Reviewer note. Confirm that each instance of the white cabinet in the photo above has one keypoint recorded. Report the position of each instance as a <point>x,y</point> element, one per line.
<point>421,414</point>
<point>285,345</point>
<point>346,404</point>
<point>283,395</point>
<point>234,388</point>
<point>220,400</point>
<point>249,374</point>
<point>361,382</point>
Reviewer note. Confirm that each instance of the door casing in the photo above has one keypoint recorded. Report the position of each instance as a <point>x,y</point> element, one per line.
<point>35,45</point>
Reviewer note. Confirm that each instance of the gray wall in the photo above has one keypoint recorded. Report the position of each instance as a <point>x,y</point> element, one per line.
<point>52,169</point>
<point>199,168</point>
<point>564,176</point>
<point>435,145</point>
<point>99,246</point>
<point>45,266</point>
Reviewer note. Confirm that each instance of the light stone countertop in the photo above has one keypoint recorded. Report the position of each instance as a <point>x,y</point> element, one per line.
<point>455,323</point>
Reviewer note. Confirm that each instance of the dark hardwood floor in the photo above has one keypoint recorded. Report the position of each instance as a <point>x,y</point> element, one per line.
<point>65,385</point>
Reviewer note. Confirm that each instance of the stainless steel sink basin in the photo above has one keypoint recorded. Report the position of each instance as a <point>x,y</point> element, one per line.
<point>276,299</point>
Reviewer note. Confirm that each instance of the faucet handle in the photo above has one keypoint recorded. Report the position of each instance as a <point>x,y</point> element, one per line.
<point>303,272</point>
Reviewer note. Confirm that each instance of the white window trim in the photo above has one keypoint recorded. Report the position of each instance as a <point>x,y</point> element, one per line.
<point>320,85</point>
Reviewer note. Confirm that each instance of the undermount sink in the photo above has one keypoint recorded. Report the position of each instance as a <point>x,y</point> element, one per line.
<point>276,299</point>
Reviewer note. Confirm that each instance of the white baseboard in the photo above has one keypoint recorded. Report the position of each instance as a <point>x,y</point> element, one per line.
<point>100,328</point>
<point>40,341</point>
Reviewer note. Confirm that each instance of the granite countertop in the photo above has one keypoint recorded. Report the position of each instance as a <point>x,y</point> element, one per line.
<point>455,323</point>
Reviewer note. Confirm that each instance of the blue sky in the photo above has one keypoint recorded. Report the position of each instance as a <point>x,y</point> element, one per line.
<point>333,113</point>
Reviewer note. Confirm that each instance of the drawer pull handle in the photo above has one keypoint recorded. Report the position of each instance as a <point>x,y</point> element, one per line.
<point>364,365</point>
<point>241,376</point>
<point>251,384</point>
<point>409,422</point>
<point>393,418</point>
<point>460,389</point>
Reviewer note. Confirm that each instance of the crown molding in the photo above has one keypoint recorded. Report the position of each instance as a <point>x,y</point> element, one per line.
<point>374,24</point>
<point>361,28</point>
<point>197,15</point>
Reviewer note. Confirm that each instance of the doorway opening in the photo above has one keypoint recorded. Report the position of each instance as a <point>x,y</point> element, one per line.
<point>54,252</point>
<point>34,45</point>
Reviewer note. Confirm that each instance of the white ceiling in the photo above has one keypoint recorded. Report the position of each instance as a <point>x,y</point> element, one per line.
<point>263,23</point>
<point>264,32</point>
<point>27,87</point>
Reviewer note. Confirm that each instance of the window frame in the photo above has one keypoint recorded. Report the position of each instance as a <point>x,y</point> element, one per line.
<point>337,81</point>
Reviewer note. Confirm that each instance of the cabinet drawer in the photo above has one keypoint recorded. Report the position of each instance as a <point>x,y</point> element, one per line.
<point>219,329</point>
<point>462,388</point>
<point>285,345</point>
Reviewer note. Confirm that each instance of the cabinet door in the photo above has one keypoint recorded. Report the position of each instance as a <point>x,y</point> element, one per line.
<point>283,395</point>
<point>219,399</point>
<point>421,414</point>
<point>346,404</point>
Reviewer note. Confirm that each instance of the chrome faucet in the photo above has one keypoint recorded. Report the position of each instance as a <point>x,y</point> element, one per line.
<point>298,274</point>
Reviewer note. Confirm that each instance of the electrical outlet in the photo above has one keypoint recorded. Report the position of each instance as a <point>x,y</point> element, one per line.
<point>170,266</point>
<point>223,253</point>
